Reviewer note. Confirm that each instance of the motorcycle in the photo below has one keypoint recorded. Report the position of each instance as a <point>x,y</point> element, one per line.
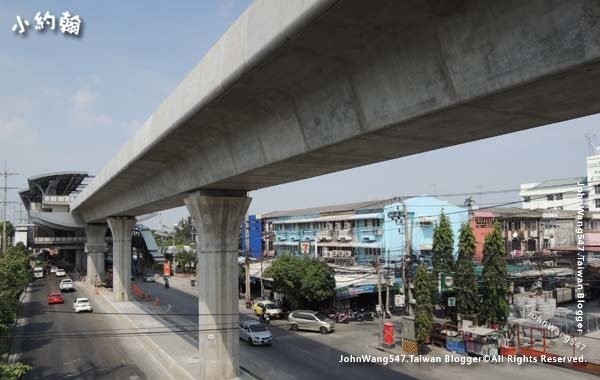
<point>341,318</point>
<point>264,318</point>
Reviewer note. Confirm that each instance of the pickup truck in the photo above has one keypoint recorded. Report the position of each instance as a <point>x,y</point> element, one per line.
<point>66,285</point>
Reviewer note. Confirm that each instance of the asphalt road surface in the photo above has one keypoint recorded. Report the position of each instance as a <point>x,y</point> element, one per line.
<point>68,358</point>
<point>292,356</point>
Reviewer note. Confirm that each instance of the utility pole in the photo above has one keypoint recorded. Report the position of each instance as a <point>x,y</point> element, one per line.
<point>387,283</point>
<point>405,260</point>
<point>380,302</point>
<point>247,292</point>
<point>5,174</point>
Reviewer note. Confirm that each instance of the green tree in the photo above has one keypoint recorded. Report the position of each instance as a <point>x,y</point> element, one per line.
<point>443,246</point>
<point>318,282</point>
<point>302,280</point>
<point>186,258</point>
<point>494,308</point>
<point>14,371</point>
<point>467,295</point>
<point>424,306</point>
<point>14,277</point>
<point>183,231</point>
<point>287,278</point>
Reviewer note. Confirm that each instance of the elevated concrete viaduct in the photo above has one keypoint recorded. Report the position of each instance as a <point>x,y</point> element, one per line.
<point>297,89</point>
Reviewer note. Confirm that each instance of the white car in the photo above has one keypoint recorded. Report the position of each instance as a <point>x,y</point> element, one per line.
<point>60,273</point>
<point>255,333</point>
<point>53,269</point>
<point>82,304</point>
<point>149,278</point>
<point>66,284</point>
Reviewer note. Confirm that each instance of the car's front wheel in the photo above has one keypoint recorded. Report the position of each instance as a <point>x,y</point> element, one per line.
<point>323,330</point>
<point>294,327</point>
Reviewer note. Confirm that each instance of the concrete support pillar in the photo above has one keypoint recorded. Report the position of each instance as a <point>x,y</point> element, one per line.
<point>122,231</point>
<point>79,261</point>
<point>95,246</point>
<point>217,218</point>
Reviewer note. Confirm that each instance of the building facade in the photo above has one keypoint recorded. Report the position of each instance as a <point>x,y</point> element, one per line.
<point>355,233</point>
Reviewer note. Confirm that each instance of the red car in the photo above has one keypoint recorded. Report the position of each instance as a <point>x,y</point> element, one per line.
<point>55,298</point>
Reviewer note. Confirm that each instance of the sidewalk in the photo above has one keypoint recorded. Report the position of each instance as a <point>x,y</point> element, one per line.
<point>177,353</point>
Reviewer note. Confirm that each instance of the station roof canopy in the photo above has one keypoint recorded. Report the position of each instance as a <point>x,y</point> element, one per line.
<point>58,183</point>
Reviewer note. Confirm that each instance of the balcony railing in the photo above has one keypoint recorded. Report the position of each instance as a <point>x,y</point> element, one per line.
<point>58,198</point>
<point>325,235</point>
<point>59,239</point>
<point>345,235</point>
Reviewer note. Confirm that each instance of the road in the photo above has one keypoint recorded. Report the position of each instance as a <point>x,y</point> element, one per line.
<point>292,355</point>
<point>68,358</point>
<point>308,355</point>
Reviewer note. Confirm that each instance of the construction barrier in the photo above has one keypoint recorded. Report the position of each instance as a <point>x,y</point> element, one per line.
<point>410,346</point>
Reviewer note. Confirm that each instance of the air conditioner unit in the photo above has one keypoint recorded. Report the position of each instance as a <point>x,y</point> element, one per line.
<point>379,232</point>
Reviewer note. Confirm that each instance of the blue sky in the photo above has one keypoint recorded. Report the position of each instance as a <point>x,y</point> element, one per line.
<point>70,103</point>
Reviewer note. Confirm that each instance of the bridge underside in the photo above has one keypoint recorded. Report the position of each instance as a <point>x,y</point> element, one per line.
<point>346,91</point>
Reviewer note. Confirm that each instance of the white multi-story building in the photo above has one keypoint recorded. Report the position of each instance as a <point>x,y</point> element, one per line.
<point>593,181</point>
<point>562,194</point>
<point>554,194</point>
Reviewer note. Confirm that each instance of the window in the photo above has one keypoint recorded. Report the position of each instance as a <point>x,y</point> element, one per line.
<point>596,189</point>
<point>526,199</point>
<point>550,197</point>
<point>558,197</point>
<point>597,201</point>
<point>483,222</point>
<point>546,243</point>
<point>516,244</point>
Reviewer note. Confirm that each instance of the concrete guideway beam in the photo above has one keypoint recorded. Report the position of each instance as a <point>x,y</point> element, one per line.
<point>217,217</point>
<point>94,248</point>
<point>361,82</point>
<point>122,231</point>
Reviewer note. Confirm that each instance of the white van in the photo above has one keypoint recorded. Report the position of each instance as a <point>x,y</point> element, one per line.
<point>38,272</point>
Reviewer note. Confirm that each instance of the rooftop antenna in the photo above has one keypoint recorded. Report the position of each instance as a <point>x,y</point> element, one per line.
<point>591,140</point>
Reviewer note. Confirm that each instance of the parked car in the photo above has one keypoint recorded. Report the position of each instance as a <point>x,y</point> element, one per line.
<point>60,273</point>
<point>255,333</point>
<point>53,269</point>
<point>55,297</point>
<point>149,278</point>
<point>271,309</point>
<point>82,304</point>
<point>310,320</point>
<point>66,285</point>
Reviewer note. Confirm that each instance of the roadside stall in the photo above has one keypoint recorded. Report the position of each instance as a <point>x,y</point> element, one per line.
<point>441,330</point>
<point>481,341</point>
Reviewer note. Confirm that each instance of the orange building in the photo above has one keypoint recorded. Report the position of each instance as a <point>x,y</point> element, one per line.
<point>481,223</point>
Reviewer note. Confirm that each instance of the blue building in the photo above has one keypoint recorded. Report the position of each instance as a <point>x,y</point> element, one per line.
<point>354,233</point>
<point>252,236</point>
<point>422,216</point>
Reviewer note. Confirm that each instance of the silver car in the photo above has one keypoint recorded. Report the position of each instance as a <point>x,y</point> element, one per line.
<point>255,333</point>
<point>310,320</point>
